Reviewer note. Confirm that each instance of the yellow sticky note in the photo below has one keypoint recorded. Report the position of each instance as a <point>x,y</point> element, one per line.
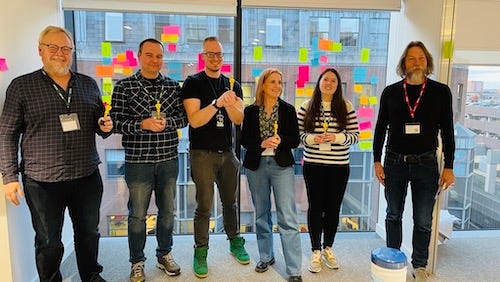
<point>365,55</point>
<point>118,69</point>
<point>171,38</point>
<point>373,100</point>
<point>365,145</point>
<point>448,49</point>
<point>106,49</point>
<point>363,135</point>
<point>121,57</point>
<point>107,85</point>
<point>299,91</point>
<point>164,37</point>
<point>337,47</point>
<point>309,91</point>
<point>302,55</point>
<point>358,88</point>
<point>127,71</point>
<point>257,53</point>
<point>363,100</point>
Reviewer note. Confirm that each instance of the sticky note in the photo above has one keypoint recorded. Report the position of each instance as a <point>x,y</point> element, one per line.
<point>365,145</point>
<point>324,44</point>
<point>363,100</point>
<point>107,85</point>
<point>299,91</point>
<point>323,59</point>
<point>257,53</point>
<point>172,29</point>
<point>170,38</point>
<point>302,55</point>
<point>121,57</point>
<point>315,62</point>
<point>256,71</point>
<point>106,49</point>
<point>132,62</point>
<point>358,88</point>
<point>102,71</point>
<point>118,69</point>
<point>174,66</point>
<point>225,68</point>
<point>127,71</point>
<point>365,112</point>
<point>172,48</point>
<point>129,54</point>
<point>448,49</point>
<point>364,125</point>
<point>365,55</point>
<point>373,100</point>
<point>309,91</point>
<point>337,47</point>
<point>374,80</point>
<point>315,43</point>
<point>303,73</point>
<point>359,74</point>
<point>300,83</point>
<point>366,134</point>
<point>3,64</point>
<point>106,99</point>
<point>201,63</point>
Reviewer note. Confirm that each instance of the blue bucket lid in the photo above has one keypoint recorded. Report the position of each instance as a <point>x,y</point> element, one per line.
<point>389,258</point>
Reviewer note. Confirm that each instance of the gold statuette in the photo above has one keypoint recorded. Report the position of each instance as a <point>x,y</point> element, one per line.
<point>275,128</point>
<point>325,126</point>
<point>158,109</point>
<point>231,83</point>
<point>107,108</point>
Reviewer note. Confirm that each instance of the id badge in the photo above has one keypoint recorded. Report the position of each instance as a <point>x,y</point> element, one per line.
<point>69,122</point>
<point>412,128</point>
<point>154,114</point>
<point>220,120</point>
<point>325,146</point>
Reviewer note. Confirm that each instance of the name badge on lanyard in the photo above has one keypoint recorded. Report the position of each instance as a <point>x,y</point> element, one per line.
<point>412,128</point>
<point>69,122</point>
<point>219,119</point>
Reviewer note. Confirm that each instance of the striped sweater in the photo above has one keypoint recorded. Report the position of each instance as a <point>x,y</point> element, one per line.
<point>339,153</point>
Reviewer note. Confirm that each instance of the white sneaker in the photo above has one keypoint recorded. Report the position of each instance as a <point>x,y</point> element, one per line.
<point>315,265</point>
<point>329,258</point>
<point>420,274</point>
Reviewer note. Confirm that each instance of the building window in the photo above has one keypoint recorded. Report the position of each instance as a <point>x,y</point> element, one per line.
<point>349,31</point>
<point>196,29</point>
<point>113,30</point>
<point>319,27</point>
<point>115,162</point>
<point>274,36</point>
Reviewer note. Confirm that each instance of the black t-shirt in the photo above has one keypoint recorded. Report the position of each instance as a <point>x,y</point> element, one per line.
<point>206,89</point>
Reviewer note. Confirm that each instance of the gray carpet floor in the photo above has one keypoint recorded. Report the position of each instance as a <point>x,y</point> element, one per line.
<point>460,259</point>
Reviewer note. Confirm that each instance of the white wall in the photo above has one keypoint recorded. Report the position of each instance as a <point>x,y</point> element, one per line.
<point>21,22</point>
<point>419,20</point>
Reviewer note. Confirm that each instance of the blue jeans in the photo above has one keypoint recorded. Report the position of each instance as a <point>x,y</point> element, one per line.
<point>222,168</point>
<point>47,202</point>
<point>423,177</point>
<point>142,180</point>
<point>281,180</point>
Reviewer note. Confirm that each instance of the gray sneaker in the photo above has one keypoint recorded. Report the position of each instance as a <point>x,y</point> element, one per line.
<point>168,264</point>
<point>137,272</point>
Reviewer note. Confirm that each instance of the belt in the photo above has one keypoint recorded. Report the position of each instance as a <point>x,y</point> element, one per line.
<point>413,158</point>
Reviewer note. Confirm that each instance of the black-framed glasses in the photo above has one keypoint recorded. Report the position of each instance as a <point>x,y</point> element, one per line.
<point>211,55</point>
<point>54,48</point>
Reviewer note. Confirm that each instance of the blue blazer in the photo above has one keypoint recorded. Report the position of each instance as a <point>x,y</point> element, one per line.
<point>288,130</point>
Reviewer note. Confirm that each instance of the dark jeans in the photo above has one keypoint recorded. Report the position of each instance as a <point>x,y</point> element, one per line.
<point>222,168</point>
<point>423,175</point>
<point>326,185</point>
<point>142,180</point>
<point>47,203</point>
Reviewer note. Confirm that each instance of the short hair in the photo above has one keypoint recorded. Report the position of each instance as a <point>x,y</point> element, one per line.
<point>401,68</point>
<point>259,93</point>
<point>54,29</point>
<point>150,40</point>
<point>209,39</point>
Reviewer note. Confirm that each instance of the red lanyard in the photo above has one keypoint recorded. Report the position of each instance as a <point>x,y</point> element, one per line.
<point>412,110</point>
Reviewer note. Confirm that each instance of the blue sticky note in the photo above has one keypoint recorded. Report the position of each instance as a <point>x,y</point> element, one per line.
<point>314,62</point>
<point>315,43</point>
<point>374,80</point>
<point>256,72</point>
<point>107,61</point>
<point>175,75</point>
<point>174,66</point>
<point>359,75</point>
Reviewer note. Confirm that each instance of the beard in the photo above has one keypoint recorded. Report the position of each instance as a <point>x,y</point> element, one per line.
<point>57,67</point>
<point>416,74</point>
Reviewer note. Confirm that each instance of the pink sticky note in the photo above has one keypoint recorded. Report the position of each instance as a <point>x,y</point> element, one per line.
<point>364,125</point>
<point>201,63</point>
<point>3,64</point>
<point>300,83</point>
<point>225,68</point>
<point>172,29</point>
<point>172,48</point>
<point>323,59</point>
<point>365,112</point>
<point>129,54</point>
<point>303,73</point>
<point>132,62</point>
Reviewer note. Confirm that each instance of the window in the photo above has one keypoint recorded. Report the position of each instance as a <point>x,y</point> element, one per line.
<point>319,28</point>
<point>349,31</point>
<point>196,29</point>
<point>274,37</point>
<point>114,27</point>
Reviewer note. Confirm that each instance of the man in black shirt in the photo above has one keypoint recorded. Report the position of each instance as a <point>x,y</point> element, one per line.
<point>213,104</point>
<point>412,112</point>
<point>56,114</point>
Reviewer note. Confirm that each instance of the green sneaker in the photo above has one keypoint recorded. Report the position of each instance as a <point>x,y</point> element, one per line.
<point>200,267</point>
<point>237,248</point>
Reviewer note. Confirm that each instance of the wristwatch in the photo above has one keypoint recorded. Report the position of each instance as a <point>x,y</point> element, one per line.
<point>214,103</point>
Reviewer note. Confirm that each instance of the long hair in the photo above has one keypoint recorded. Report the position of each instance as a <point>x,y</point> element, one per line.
<point>338,107</point>
<point>401,68</point>
<point>259,92</point>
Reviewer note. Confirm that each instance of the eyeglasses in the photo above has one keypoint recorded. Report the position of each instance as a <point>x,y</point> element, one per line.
<point>54,48</point>
<point>211,55</point>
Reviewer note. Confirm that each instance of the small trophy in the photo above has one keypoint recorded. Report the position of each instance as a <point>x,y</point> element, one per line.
<point>276,128</point>
<point>158,109</point>
<point>107,108</point>
<point>325,126</point>
<point>231,83</point>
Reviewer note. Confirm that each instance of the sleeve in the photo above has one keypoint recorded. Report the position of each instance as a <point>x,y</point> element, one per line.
<point>11,128</point>
<point>122,119</point>
<point>290,137</point>
<point>380,128</point>
<point>177,119</point>
<point>305,137</point>
<point>447,130</point>
<point>351,134</point>
<point>250,134</point>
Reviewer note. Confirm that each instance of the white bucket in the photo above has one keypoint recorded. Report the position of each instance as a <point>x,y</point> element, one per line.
<point>388,265</point>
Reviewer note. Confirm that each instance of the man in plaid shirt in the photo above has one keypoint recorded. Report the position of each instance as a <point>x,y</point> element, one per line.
<point>147,112</point>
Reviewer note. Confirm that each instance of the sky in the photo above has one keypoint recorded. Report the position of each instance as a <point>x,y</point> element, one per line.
<point>489,75</point>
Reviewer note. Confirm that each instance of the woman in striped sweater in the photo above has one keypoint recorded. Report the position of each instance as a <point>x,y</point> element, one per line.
<point>328,126</point>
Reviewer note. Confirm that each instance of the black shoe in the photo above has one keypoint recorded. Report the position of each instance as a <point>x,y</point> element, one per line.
<point>295,278</point>
<point>263,266</point>
<point>96,278</point>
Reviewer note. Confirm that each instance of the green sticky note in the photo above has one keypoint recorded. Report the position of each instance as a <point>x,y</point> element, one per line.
<point>302,55</point>
<point>107,85</point>
<point>106,49</point>
<point>365,55</point>
<point>448,49</point>
<point>337,47</point>
<point>365,145</point>
<point>373,100</point>
<point>257,53</point>
<point>106,99</point>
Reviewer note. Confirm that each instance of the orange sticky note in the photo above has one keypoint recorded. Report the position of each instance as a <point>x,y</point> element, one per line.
<point>363,135</point>
<point>103,71</point>
<point>363,100</point>
<point>127,70</point>
<point>358,88</point>
<point>121,57</point>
